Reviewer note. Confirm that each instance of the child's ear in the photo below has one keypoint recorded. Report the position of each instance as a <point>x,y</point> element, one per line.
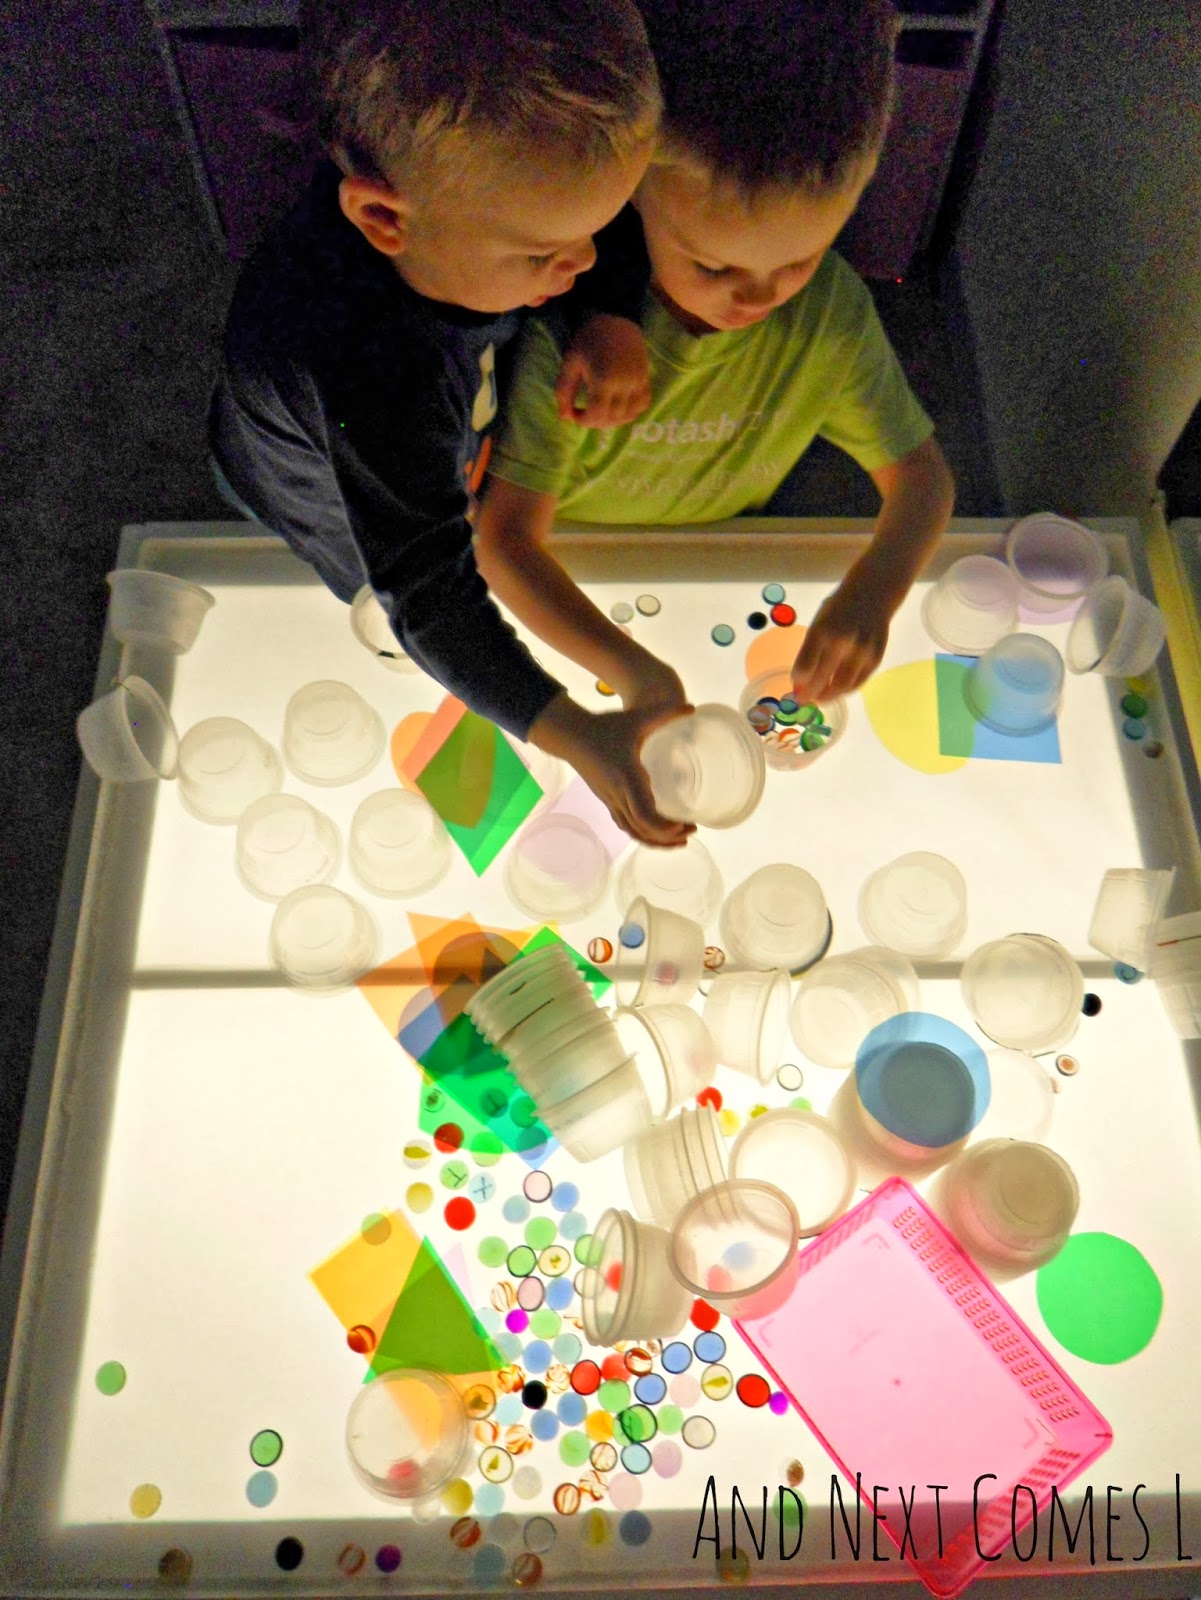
<point>380,214</point>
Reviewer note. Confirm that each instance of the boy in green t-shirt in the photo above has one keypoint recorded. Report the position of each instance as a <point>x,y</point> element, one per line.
<point>760,339</point>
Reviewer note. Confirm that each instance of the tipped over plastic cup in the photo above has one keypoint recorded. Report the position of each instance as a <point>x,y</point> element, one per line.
<point>628,1290</point>
<point>705,767</point>
<point>673,1050</point>
<point>1117,632</point>
<point>801,1154</point>
<point>156,608</point>
<point>670,1162</point>
<point>735,1246</point>
<point>370,626</point>
<point>127,735</point>
<point>747,1015</point>
<point>659,957</point>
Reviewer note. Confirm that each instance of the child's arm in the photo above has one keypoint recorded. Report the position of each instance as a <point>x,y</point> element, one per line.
<point>846,639</point>
<point>604,380</point>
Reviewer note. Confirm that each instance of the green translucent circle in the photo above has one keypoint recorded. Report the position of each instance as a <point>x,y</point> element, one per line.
<point>522,1261</point>
<point>110,1378</point>
<point>584,1251</point>
<point>669,1418</point>
<point>376,1228</point>
<point>614,1394</point>
<point>545,1323</point>
<point>786,1510</point>
<point>1100,1298</point>
<point>637,1423</point>
<point>800,1103</point>
<point>539,1232</point>
<point>486,1148</point>
<point>523,1113</point>
<point>575,1448</point>
<point>492,1251</point>
<point>1134,705</point>
<point>266,1448</point>
<point>455,1174</point>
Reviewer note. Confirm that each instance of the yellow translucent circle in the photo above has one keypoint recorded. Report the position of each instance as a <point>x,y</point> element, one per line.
<point>730,1122</point>
<point>598,1425</point>
<point>457,1497</point>
<point>145,1499</point>
<point>596,1529</point>
<point>419,1197</point>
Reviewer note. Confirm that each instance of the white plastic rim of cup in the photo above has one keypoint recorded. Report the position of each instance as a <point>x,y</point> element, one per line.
<point>284,843</point>
<point>224,767</point>
<point>673,1051</point>
<point>705,767</point>
<point>155,608</point>
<point>331,734</point>
<point>1023,991</point>
<point>685,880</point>
<point>408,1433</point>
<point>557,869</point>
<point>127,735</point>
<point>399,845</point>
<point>1054,560</point>
<point>840,1001</point>
<point>1015,687</point>
<point>747,1015</point>
<point>776,917</point>
<point>921,1084</point>
<point>659,957</point>
<point>735,1246</point>
<point>1012,1201</point>
<point>627,1291</point>
<point>659,1163</point>
<point>972,606</point>
<point>916,904</point>
<point>1021,1098</point>
<point>784,747</point>
<point>1117,632</point>
<point>322,940</point>
<point>370,626</point>
<point>1130,904</point>
<point>800,1153</point>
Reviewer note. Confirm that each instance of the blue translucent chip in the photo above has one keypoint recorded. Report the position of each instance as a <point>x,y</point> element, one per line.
<point>650,1388</point>
<point>709,1347</point>
<point>676,1357</point>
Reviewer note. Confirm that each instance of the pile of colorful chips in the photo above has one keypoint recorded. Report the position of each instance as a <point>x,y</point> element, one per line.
<point>786,721</point>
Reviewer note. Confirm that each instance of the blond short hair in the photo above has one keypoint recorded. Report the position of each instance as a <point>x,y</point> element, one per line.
<point>406,90</point>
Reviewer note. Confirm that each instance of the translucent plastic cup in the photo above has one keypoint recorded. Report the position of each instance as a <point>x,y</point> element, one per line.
<point>370,626</point>
<point>684,880</point>
<point>922,1086</point>
<point>600,1119</point>
<point>399,845</point>
<point>673,1050</point>
<point>659,957</point>
<point>155,608</point>
<point>331,734</point>
<point>705,767</point>
<point>1175,965</point>
<point>224,767</point>
<point>843,998</point>
<point>789,747</point>
<point>801,1154</point>
<point>1015,687</point>
<point>777,917</point>
<point>972,606</point>
<point>671,1162</point>
<point>586,1050</point>
<point>1130,905</point>
<point>627,1290</point>
<point>1054,560</point>
<point>1021,1098</point>
<point>1011,1201</point>
<point>1117,631</point>
<point>284,843</point>
<point>735,1246</point>
<point>747,1015</point>
<point>408,1434</point>
<point>1024,991</point>
<point>916,904</point>
<point>524,986</point>
<point>127,735</point>
<point>557,869</point>
<point>322,940</point>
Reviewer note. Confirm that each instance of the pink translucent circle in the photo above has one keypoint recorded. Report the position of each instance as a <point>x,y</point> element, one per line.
<point>684,1390</point>
<point>625,1492</point>
<point>667,1458</point>
<point>530,1294</point>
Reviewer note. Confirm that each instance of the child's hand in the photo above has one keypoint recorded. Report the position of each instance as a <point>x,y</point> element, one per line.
<point>843,645</point>
<point>608,370</point>
<point>654,686</point>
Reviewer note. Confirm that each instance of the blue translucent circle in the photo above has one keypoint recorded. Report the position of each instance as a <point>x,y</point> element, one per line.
<point>564,1196</point>
<point>1126,973</point>
<point>709,1347</point>
<point>923,1079</point>
<point>676,1357</point>
<point>1134,727</point>
<point>516,1208</point>
<point>573,1224</point>
<point>490,1563</point>
<point>773,593</point>
<point>508,1344</point>
<point>722,633</point>
<point>509,1409</point>
<point>537,1356</point>
<point>544,1424</point>
<point>634,1527</point>
<point>559,1293</point>
<point>489,1498</point>
<point>650,1388</point>
<point>738,1256</point>
<point>632,935</point>
<point>567,1348</point>
<point>636,1458</point>
<point>488,1318</point>
<point>572,1409</point>
<point>261,1488</point>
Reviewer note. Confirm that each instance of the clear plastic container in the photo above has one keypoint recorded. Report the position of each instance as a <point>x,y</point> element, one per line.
<point>224,767</point>
<point>673,1050</point>
<point>785,747</point>
<point>583,1055</point>
<point>408,1434</point>
<point>322,940</point>
<point>155,608</point>
<point>1011,1202</point>
<point>1015,687</point>
<point>735,1246</point>
<point>1054,560</point>
<point>601,1118</point>
<point>1021,1100</point>
<point>1117,632</point>
<point>747,1015</point>
<point>922,1086</point>
<point>777,917</point>
<point>370,626</point>
<point>843,998</point>
<point>705,767</point>
<point>523,987</point>
<point>1175,965</point>
<point>127,735</point>
<point>800,1153</point>
<point>331,734</point>
<point>972,606</point>
<point>1130,905</point>
<point>399,845</point>
<point>659,957</point>
<point>284,843</point>
<point>1024,991</point>
<point>628,1290</point>
<point>669,1163</point>
<point>916,904</point>
<point>683,880</point>
<point>557,869</point>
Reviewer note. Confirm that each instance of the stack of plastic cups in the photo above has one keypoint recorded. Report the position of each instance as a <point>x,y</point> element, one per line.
<point>670,1163</point>
<point>331,734</point>
<point>1117,632</point>
<point>685,880</point>
<point>322,940</point>
<point>522,988</point>
<point>735,1246</point>
<point>1024,991</point>
<point>628,1290</point>
<point>127,735</point>
<point>1015,687</point>
<point>154,608</point>
<point>747,1015</point>
<point>801,1154</point>
<point>776,918</point>
<point>1055,562</point>
<point>659,959</point>
<point>673,1051</point>
<point>408,1434</point>
<point>972,606</point>
<point>224,767</point>
<point>705,767</point>
<point>370,626</point>
<point>557,869</point>
<point>284,843</point>
<point>844,997</point>
<point>1011,1202</point>
<point>916,904</point>
<point>399,845</point>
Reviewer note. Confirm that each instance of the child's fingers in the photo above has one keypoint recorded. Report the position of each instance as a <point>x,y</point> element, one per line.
<point>572,379</point>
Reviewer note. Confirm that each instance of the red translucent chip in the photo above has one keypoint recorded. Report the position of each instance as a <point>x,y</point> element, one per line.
<point>753,1390</point>
<point>710,1097</point>
<point>459,1213</point>
<point>703,1316</point>
<point>585,1377</point>
<point>448,1137</point>
<point>783,615</point>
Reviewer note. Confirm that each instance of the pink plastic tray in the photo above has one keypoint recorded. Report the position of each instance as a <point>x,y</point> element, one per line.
<point>913,1371</point>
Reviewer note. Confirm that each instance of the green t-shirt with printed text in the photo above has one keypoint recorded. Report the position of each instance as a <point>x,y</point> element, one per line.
<point>731,412</point>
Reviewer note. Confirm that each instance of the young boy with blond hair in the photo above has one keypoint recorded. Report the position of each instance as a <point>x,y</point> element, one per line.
<point>760,337</point>
<point>475,152</point>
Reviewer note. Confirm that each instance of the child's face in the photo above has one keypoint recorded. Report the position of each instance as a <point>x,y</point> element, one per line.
<point>491,247</point>
<point>723,265</point>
